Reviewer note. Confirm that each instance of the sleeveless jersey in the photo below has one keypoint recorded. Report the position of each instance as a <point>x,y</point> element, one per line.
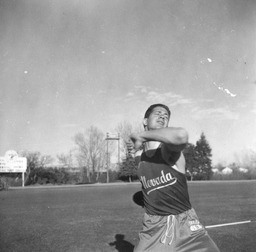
<point>165,189</point>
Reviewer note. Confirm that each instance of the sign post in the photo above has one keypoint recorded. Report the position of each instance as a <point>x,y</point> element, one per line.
<point>12,163</point>
<point>23,179</point>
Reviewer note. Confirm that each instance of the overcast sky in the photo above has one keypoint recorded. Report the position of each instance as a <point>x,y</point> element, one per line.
<point>67,65</point>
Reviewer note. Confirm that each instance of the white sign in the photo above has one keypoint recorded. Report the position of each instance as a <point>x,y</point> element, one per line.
<point>12,163</point>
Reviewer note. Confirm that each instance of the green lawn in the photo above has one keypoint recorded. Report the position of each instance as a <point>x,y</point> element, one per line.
<point>105,217</point>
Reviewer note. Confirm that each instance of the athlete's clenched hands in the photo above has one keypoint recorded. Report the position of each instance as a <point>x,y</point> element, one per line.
<point>136,141</point>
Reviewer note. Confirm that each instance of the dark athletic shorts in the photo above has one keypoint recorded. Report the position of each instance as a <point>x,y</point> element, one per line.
<point>174,233</point>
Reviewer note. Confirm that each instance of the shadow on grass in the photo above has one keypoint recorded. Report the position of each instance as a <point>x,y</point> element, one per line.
<point>121,245</point>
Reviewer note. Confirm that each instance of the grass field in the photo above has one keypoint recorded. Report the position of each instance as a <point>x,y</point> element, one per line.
<point>105,217</point>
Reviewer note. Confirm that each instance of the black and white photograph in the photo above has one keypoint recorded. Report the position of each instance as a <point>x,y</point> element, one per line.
<point>127,125</point>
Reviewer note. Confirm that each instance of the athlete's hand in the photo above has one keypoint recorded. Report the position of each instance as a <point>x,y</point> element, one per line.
<point>130,147</point>
<point>137,141</point>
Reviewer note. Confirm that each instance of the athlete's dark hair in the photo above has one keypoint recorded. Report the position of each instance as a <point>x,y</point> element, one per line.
<point>150,109</point>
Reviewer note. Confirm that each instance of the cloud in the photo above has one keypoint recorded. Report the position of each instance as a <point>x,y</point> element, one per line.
<point>201,109</point>
<point>254,110</point>
<point>149,95</point>
<point>162,97</point>
<point>142,89</point>
<point>248,106</point>
<point>69,125</point>
<point>129,97</point>
<point>214,113</point>
<point>169,98</point>
<point>130,94</point>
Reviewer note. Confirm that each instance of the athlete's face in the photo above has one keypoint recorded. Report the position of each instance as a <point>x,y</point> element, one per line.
<point>158,119</point>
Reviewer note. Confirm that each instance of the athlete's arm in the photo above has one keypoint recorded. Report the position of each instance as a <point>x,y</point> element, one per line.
<point>173,139</point>
<point>172,150</point>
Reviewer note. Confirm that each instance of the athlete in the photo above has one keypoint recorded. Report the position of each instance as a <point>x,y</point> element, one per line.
<point>170,223</point>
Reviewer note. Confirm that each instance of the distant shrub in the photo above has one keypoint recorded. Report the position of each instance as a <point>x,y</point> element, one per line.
<point>13,179</point>
<point>235,175</point>
<point>100,178</point>
<point>113,176</point>
<point>51,176</point>
<point>4,185</point>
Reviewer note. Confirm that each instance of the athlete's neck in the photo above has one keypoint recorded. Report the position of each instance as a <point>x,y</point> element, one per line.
<point>150,148</point>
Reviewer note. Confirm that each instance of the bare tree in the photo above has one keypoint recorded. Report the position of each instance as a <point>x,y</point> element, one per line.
<point>83,155</point>
<point>124,129</point>
<point>247,158</point>
<point>91,147</point>
<point>35,160</point>
<point>66,159</point>
<point>45,160</point>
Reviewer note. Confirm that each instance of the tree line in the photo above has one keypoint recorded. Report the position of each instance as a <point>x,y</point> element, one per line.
<point>90,160</point>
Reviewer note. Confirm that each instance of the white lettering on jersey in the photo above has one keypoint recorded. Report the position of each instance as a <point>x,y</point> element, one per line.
<point>158,182</point>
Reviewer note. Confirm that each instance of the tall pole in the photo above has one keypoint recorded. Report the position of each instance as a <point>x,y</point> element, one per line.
<point>107,158</point>
<point>112,138</point>
<point>118,150</point>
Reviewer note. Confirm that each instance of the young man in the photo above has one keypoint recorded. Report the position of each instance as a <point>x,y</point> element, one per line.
<point>170,223</point>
